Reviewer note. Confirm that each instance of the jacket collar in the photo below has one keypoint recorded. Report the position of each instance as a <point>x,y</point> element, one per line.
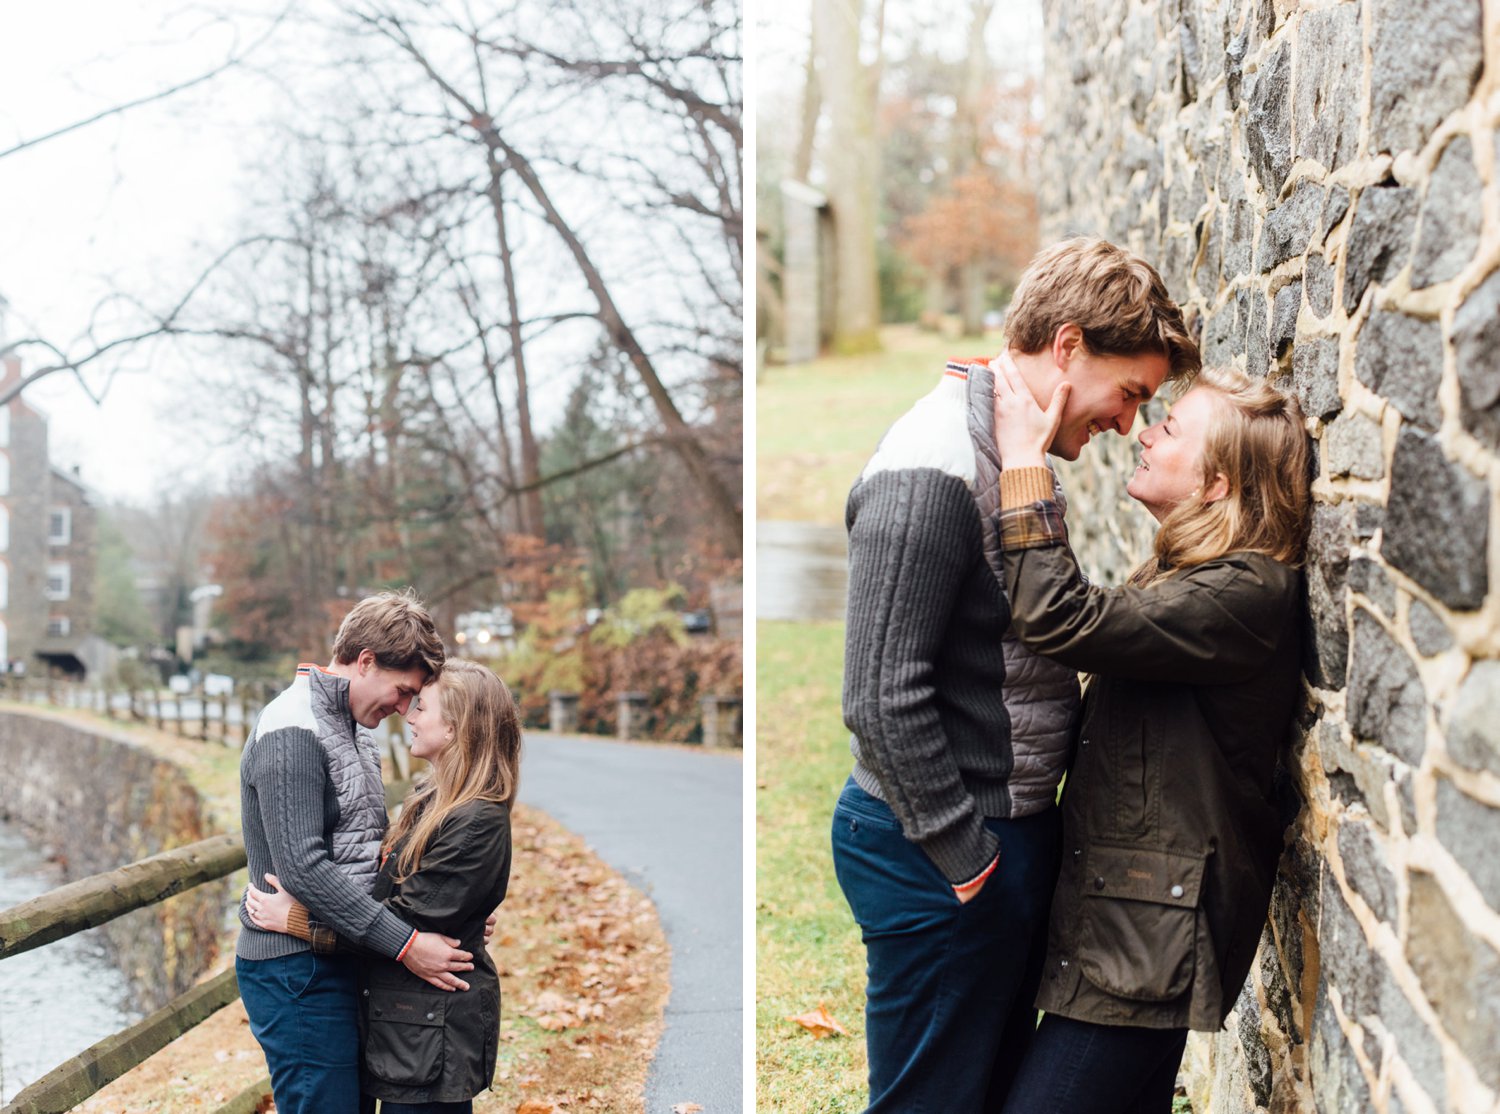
<point>330,692</point>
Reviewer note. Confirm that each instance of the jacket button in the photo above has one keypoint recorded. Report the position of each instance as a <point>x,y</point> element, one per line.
<point>367,993</point>
<point>430,1016</point>
<point>1077,853</point>
<point>1099,883</point>
<point>1083,742</point>
<point>1064,963</point>
<point>1176,891</point>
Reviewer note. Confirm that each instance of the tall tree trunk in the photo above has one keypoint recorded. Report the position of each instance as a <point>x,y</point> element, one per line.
<point>680,435</point>
<point>969,145</point>
<point>934,297</point>
<point>852,159</point>
<point>812,109</point>
<point>531,501</point>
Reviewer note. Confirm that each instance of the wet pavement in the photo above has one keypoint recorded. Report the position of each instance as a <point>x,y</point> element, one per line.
<point>669,820</point>
<point>802,570</point>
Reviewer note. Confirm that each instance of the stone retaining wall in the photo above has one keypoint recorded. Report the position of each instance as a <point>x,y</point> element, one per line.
<point>1319,183</point>
<point>97,802</point>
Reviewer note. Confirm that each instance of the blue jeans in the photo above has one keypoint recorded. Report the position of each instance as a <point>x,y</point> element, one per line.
<point>950,986</point>
<point>303,1011</point>
<point>1078,1067</point>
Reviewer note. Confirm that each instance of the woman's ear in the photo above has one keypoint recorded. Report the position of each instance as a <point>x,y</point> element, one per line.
<point>1216,489</point>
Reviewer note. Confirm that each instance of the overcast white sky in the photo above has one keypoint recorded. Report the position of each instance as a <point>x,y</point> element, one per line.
<point>135,202</point>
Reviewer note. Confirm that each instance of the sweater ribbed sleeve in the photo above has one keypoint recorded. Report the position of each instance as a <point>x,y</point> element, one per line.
<point>913,534</point>
<point>290,778</point>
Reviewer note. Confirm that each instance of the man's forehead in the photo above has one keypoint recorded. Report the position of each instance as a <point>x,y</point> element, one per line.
<point>1143,375</point>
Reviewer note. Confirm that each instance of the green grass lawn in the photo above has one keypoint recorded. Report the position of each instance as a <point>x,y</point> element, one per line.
<point>818,423</point>
<point>807,945</point>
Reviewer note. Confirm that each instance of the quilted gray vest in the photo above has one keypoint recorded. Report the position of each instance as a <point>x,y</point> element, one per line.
<point>319,701</point>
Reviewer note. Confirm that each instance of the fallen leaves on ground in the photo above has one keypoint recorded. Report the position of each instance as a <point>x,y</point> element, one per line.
<point>584,975</point>
<point>820,1023</point>
<point>686,1108</point>
<point>583,981</point>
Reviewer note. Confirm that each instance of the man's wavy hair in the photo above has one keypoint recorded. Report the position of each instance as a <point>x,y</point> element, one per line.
<point>1114,296</point>
<point>396,628</point>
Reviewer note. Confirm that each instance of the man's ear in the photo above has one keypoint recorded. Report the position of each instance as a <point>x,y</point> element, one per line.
<point>1216,489</point>
<point>1067,341</point>
<point>365,660</point>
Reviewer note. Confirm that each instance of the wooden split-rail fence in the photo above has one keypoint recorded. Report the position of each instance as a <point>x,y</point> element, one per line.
<point>223,717</point>
<point>93,901</point>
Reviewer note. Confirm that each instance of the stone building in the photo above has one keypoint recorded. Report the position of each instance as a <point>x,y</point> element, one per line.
<point>1319,182</point>
<point>47,550</point>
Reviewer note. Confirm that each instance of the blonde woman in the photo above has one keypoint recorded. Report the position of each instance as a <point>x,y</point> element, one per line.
<point>1171,835</point>
<point>444,866</point>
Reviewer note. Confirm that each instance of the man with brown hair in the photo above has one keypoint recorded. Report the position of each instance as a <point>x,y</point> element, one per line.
<point>945,839</point>
<point>312,806</point>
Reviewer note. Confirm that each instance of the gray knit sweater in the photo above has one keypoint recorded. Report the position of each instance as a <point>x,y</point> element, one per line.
<point>953,720</point>
<point>313,810</point>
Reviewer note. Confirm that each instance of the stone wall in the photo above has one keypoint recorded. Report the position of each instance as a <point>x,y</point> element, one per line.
<point>96,802</point>
<point>1319,183</point>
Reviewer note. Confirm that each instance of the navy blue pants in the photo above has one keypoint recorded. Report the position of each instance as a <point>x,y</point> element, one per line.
<point>950,986</point>
<point>1078,1067</point>
<point>303,1011</point>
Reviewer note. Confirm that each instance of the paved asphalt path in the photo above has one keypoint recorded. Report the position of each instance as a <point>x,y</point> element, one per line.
<point>669,820</point>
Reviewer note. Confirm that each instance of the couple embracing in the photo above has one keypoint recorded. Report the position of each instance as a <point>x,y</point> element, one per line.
<point>1129,913</point>
<point>362,962</point>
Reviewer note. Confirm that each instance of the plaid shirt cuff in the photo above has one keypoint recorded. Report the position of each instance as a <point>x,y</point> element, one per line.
<point>1032,525</point>
<point>324,940</point>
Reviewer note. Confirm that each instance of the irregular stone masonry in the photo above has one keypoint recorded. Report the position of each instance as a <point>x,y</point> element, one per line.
<point>1319,183</point>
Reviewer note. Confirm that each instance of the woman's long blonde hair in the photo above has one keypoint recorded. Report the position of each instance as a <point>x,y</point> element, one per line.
<point>1258,442</point>
<point>482,763</point>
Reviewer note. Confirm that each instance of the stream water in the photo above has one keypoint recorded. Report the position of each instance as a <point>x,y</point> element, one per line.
<point>57,1000</point>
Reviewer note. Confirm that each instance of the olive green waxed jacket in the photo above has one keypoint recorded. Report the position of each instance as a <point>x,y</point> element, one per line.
<point>421,1044</point>
<point>1171,835</point>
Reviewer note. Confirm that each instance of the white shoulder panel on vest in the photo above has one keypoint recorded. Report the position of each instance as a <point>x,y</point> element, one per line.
<point>292,708</point>
<point>934,433</point>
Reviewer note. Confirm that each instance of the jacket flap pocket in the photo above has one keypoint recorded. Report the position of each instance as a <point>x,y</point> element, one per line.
<point>405,1007</point>
<point>1144,874</point>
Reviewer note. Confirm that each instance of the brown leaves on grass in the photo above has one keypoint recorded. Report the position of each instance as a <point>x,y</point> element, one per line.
<point>820,1023</point>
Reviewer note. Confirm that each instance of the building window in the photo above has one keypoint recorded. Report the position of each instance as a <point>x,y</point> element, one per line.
<point>4,527</point>
<point>59,580</point>
<point>4,473</point>
<point>59,526</point>
<point>58,626</point>
<point>4,435</point>
<point>4,590</point>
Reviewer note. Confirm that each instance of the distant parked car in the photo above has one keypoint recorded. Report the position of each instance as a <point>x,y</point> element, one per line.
<point>697,622</point>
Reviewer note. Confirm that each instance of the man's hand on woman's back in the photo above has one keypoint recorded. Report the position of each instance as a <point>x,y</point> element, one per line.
<point>434,957</point>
